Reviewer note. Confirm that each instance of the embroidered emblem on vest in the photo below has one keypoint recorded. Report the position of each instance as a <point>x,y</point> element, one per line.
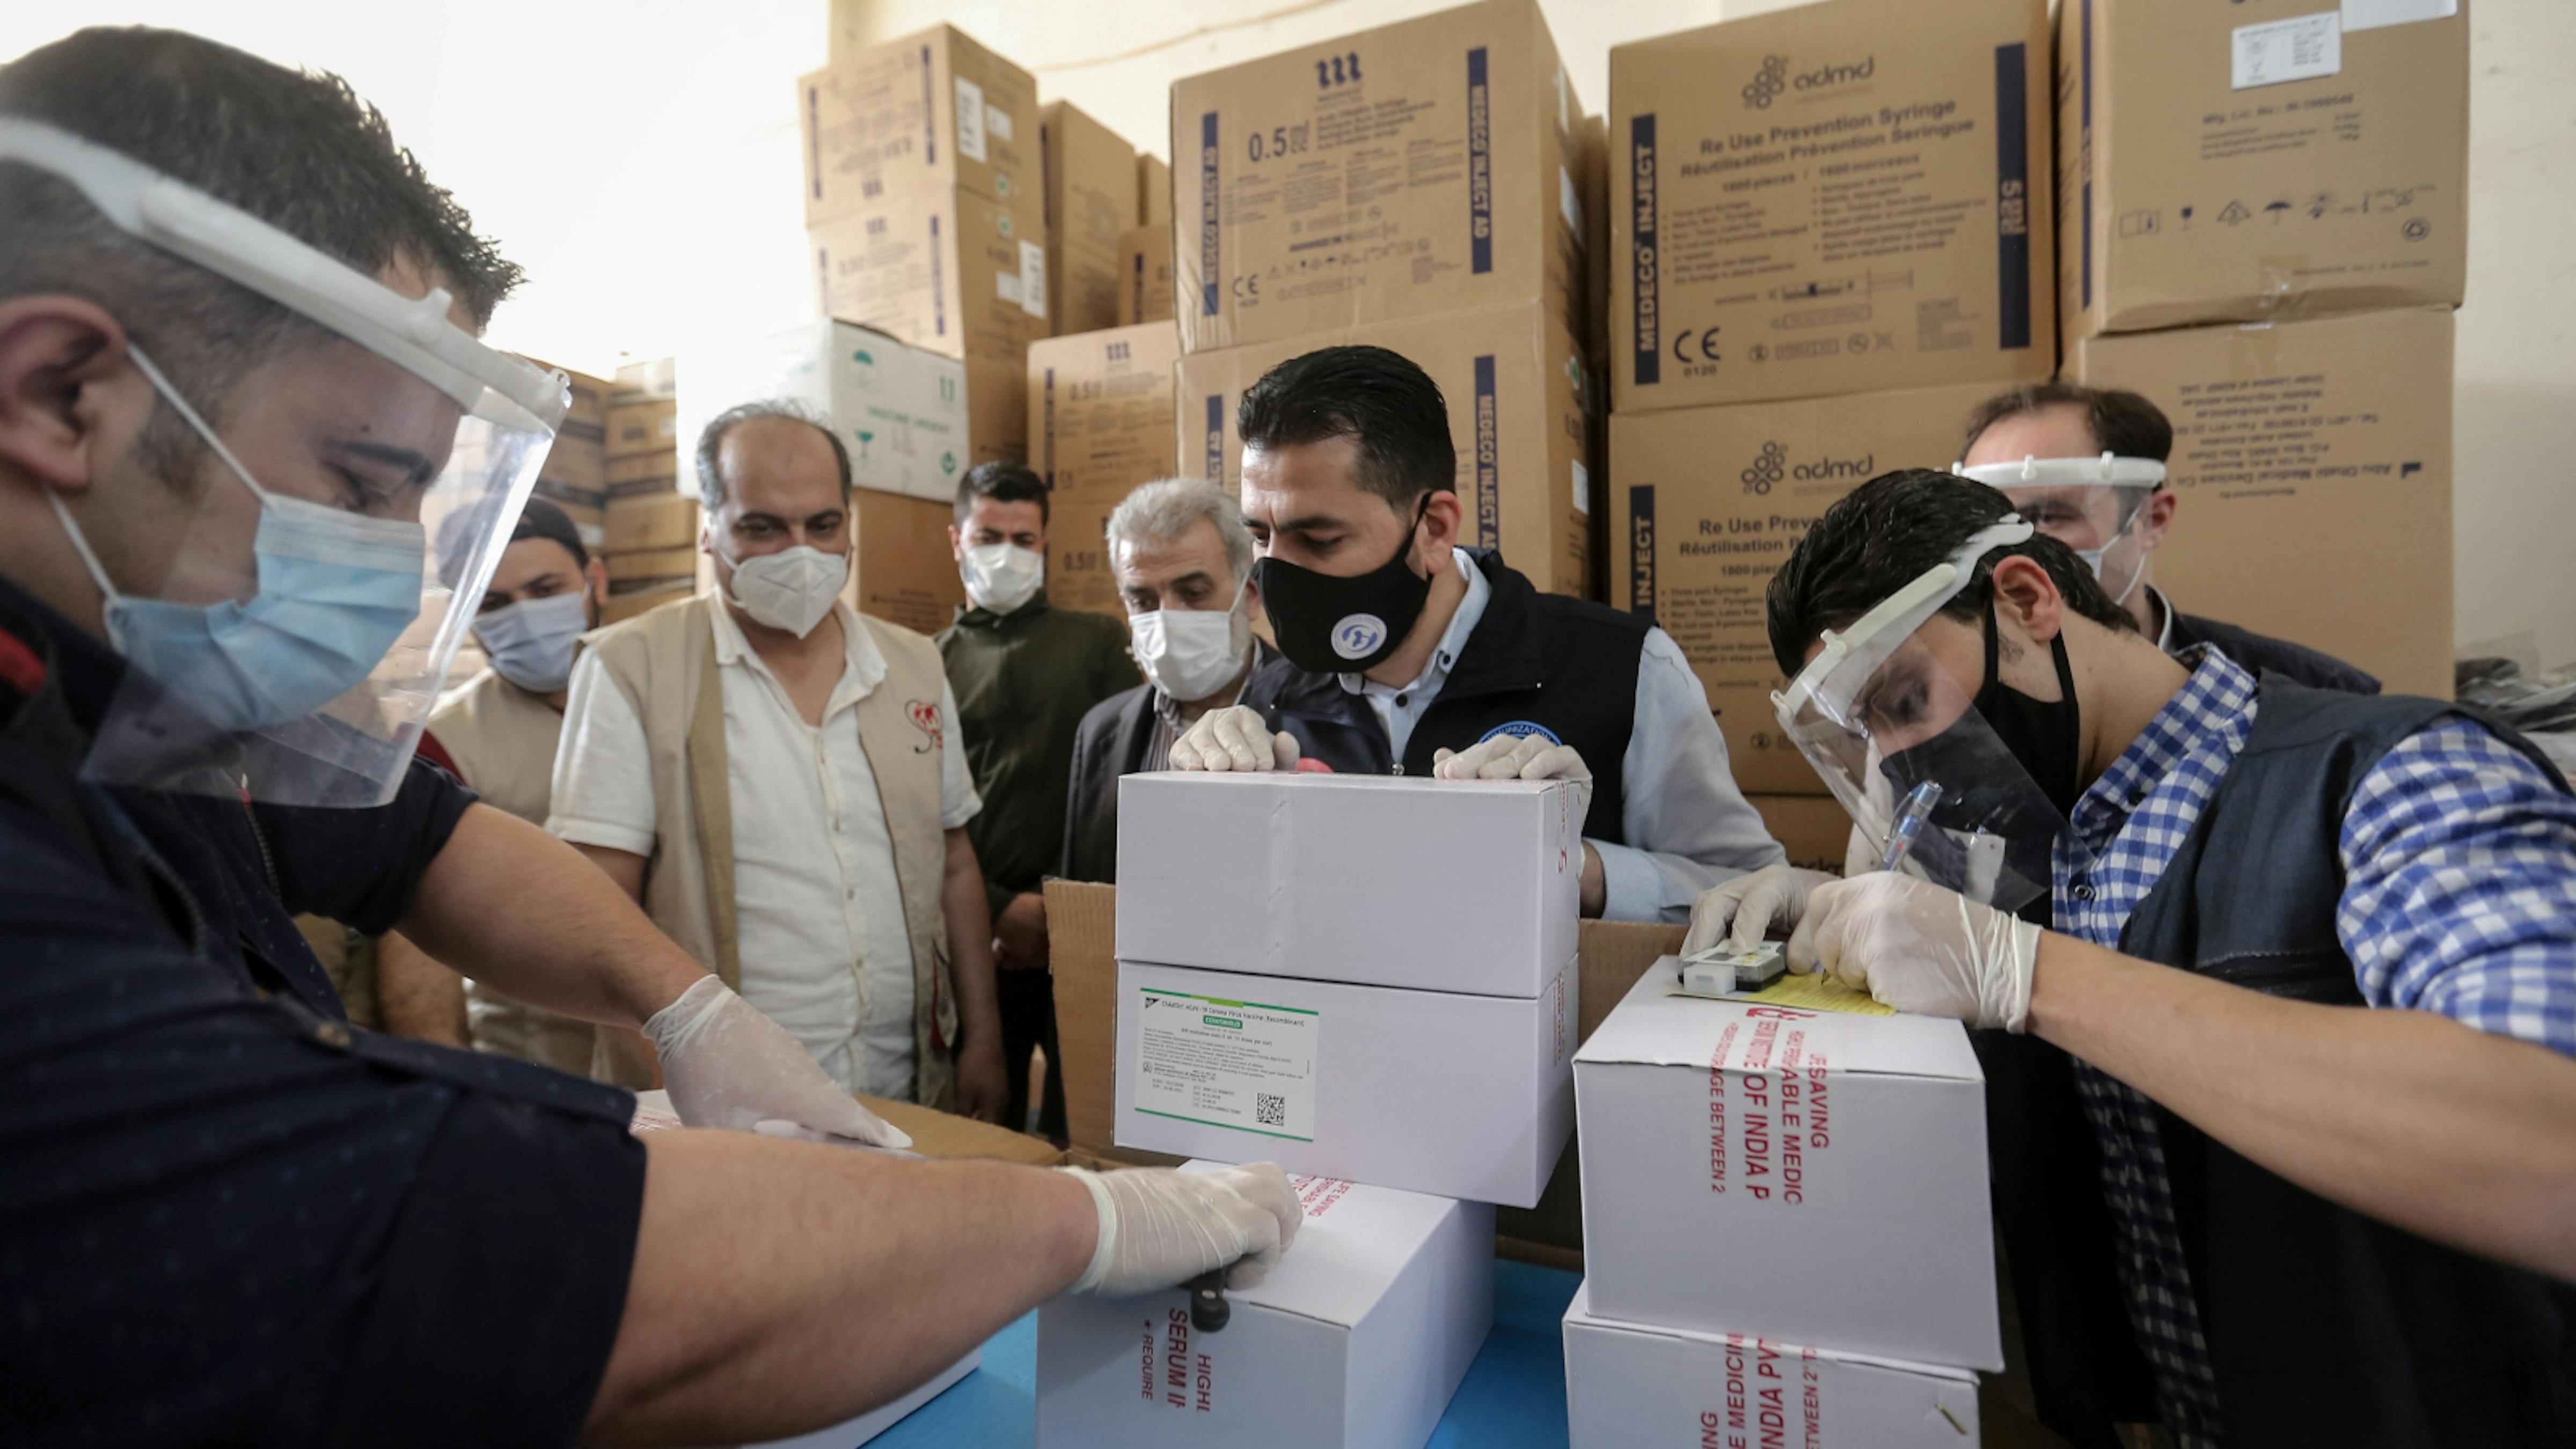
<point>925,717</point>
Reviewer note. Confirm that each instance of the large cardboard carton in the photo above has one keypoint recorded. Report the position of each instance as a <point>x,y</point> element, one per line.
<point>644,378</point>
<point>928,113</point>
<point>587,416</point>
<point>1153,191</point>
<point>643,427</point>
<point>1833,198</point>
<point>2307,456</point>
<point>1416,168</point>
<point>1101,408</point>
<point>668,520</point>
<point>1324,876</point>
<point>903,413</point>
<point>1428,1091</point>
<point>638,567</point>
<point>2220,161</point>
<point>1813,828</point>
<point>951,271</point>
<point>1145,274</point>
<point>901,570</point>
<point>643,473</point>
<point>1514,380</point>
<point>1358,1338</point>
<point>1090,199</point>
<point>1631,1384</point>
<point>575,466</point>
<point>1705,505</point>
<point>1719,1136</point>
<point>1079,571</point>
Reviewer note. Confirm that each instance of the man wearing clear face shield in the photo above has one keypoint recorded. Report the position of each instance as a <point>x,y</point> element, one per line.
<point>240,392</point>
<point>2313,955</point>
<point>2086,466</point>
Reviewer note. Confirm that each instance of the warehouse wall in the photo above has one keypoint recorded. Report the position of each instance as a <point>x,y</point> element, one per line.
<point>641,160</point>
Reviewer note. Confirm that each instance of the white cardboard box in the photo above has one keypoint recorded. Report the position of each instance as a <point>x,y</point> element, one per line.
<point>1807,1176</point>
<point>900,411</point>
<point>1438,885</point>
<point>1463,1096</point>
<point>1627,1384</point>
<point>850,1433</point>
<point>1357,1338</point>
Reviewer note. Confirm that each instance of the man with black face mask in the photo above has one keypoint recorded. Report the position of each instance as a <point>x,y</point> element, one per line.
<point>2312,956</point>
<point>1409,654</point>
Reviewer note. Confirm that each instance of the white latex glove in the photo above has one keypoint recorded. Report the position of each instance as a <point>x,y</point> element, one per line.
<point>1920,947</point>
<point>726,1065</point>
<point>1517,757</point>
<point>1234,738</point>
<point>1740,912</point>
<point>1159,1227</point>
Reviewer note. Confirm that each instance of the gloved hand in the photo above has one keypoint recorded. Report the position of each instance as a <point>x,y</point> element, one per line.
<point>1234,738</point>
<point>1920,947</point>
<point>1740,912</point>
<point>726,1065</point>
<point>1517,757</point>
<point>1159,1227</point>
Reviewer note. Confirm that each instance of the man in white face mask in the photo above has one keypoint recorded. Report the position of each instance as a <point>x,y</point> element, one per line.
<point>497,732</point>
<point>1183,559</point>
<point>782,784</point>
<point>1024,673</point>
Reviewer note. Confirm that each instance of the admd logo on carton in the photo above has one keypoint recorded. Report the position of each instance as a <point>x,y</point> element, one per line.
<point>1774,78</point>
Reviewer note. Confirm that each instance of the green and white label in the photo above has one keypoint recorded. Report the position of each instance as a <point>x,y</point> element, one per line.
<point>1233,1064</point>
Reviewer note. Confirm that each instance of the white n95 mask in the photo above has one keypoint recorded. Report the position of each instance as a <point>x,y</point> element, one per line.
<point>531,644</point>
<point>1000,577</point>
<point>791,589</point>
<point>1189,654</point>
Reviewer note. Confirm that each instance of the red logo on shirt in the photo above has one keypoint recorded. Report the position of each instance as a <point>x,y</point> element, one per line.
<point>925,716</point>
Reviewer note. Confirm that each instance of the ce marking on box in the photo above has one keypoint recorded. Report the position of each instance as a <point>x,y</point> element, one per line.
<point>1695,346</point>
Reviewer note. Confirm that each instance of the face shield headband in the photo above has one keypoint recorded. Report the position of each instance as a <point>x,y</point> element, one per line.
<point>2132,479</point>
<point>323,686</point>
<point>1901,745</point>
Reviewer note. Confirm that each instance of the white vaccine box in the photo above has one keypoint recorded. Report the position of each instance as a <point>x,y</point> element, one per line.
<point>1805,1176</point>
<point>850,1433</point>
<point>1456,1095</point>
<point>1357,1338</point>
<point>1630,1386</point>
<point>1467,886</point>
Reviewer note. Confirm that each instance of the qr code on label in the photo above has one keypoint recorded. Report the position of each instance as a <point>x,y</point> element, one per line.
<point>1269,1111</point>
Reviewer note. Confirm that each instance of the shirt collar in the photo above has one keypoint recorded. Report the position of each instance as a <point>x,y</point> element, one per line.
<point>1453,640</point>
<point>2196,720</point>
<point>867,663</point>
<point>84,667</point>
<point>2165,612</point>
<point>977,616</point>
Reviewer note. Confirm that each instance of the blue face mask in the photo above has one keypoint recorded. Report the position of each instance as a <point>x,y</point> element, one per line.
<point>336,589</point>
<point>531,644</point>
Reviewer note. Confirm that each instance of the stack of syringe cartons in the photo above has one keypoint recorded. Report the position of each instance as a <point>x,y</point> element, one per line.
<point>1370,981</point>
<point>1786,1237</point>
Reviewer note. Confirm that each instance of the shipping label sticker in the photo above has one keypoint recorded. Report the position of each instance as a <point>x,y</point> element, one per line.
<point>1772,1083</point>
<point>2302,47</point>
<point>1569,202</point>
<point>998,121</point>
<point>1233,1064</point>
<point>1007,286</point>
<point>1582,488</point>
<point>1033,292</point>
<point>970,119</point>
<point>2372,14</point>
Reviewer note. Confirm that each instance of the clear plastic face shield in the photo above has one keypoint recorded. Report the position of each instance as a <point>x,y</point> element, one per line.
<point>1898,739</point>
<point>2091,505</point>
<point>291,601</point>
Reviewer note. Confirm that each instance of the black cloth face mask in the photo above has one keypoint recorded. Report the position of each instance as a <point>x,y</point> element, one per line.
<point>1329,625</point>
<point>2045,735</point>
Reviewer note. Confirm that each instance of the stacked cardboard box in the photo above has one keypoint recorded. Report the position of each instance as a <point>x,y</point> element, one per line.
<point>1831,235</point>
<point>1091,178</point>
<point>1101,411</point>
<point>1417,187</point>
<point>925,211</point>
<point>1711,1128</point>
<point>2308,174</point>
<point>649,521</point>
<point>575,475</point>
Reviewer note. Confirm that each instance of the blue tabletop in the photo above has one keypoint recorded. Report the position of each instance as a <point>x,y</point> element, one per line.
<point>1513,1395</point>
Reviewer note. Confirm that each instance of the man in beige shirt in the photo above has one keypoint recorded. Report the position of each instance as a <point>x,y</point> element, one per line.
<point>781,783</point>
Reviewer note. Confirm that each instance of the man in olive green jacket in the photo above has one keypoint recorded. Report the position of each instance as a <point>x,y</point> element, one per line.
<point>1024,675</point>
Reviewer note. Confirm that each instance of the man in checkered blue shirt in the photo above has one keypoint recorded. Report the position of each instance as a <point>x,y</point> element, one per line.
<point>2314,955</point>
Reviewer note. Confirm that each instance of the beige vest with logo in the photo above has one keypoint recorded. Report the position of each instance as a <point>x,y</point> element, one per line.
<point>503,740</point>
<point>664,662</point>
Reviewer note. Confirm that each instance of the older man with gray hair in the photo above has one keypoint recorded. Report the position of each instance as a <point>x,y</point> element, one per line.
<point>1183,559</point>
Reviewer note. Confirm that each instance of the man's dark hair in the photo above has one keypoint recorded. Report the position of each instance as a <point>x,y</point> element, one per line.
<point>1887,533</point>
<point>1003,483</point>
<point>711,488</point>
<point>1379,398</point>
<point>2123,422</point>
<point>298,150</point>
<point>539,519</point>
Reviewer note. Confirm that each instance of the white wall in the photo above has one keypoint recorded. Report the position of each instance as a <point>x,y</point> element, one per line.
<point>645,172</point>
